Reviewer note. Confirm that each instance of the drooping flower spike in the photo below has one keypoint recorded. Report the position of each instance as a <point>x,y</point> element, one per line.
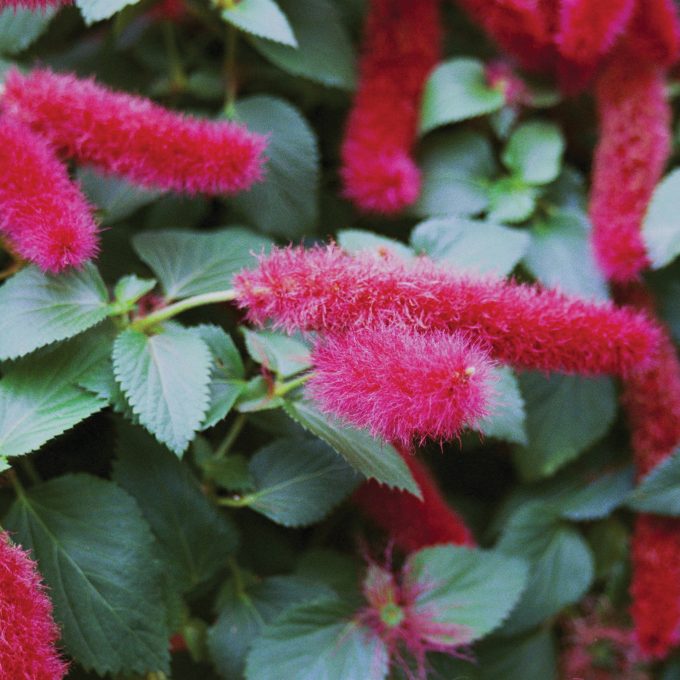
<point>651,399</point>
<point>28,633</point>
<point>409,522</point>
<point>43,215</point>
<point>134,137</point>
<point>401,45</point>
<point>326,289</point>
<point>634,146</point>
<point>403,386</point>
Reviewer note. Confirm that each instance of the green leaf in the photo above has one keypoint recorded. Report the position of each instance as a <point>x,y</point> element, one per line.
<point>534,152</point>
<point>298,481</point>
<point>467,587</point>
<point>115,197</point>
<point>457,90</point>
<point>130,288</point>
<point>165,379</point>
<point>96,10</point>
<point>324,53</point>
<point>560,256</point>
<point>96,554</point>
<point>279,353</point>
<point>660,229</point>
<point>357,240</point>
<point>191,263</point>
<point>257,396</point>
<point>561,564</point>
<point>554,404</point>
<point>507,418</point>
<point>244,611</point>
<point>230,473</point>
<point>262,18</point>
<point>38,309</point>
<point>39,396</point>
<point>227,373</point>
<point>659,491</point>
<point>20,28</point>
<point>470,245</point>
<point>315,641</point>
<point>374,459</point>
<point>456,167</point>
<point>195,539</point>
<point>286,203</point>
<point>511,200</point>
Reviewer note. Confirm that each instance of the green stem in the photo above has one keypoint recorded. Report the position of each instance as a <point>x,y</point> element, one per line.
<point>283,388</point>
<point>230,72</point>
<point>165,313</point>
<point>236,501</point>
<point>232,435</point>
<point>177,75</point>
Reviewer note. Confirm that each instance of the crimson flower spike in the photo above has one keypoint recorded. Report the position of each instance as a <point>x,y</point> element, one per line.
<point>410,522</point>
<point>403,386</point>
<point>326,289</point>
<point>28,632</point>
<point>134,137</point>
<point>43,215</point>
<point>651,399</point>
<point>401,45</point>
<point>634,146</point>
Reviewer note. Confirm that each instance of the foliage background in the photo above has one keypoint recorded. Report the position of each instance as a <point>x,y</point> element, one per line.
<point>230,531</point>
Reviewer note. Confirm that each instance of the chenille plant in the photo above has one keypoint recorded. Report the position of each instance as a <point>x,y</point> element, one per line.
<point>338,340</point>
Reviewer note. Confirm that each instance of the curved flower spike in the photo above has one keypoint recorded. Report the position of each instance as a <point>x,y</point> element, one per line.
<point>401,45</point>
<point>411,523</point>
<point>34,4</point>
<point>134,137</point>
<point>634,145</point>
<point>29,634</point>
<point>326,289</point>
<point>402,385</point>
<point>43,214</point>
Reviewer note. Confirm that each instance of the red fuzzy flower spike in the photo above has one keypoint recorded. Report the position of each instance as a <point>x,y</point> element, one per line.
<point>34,4</point>
<point>326,289</point>
<point>401,46</point>
<point>396,615</point>
<point>635,143</point>
<point>133,137</point>
<point>522,28</point>
<point>654,33</point>
<point>401,385</point>
<point>28,633</point>
<point>651,399</point>
<point>43,214</point>
<point>409,522</point>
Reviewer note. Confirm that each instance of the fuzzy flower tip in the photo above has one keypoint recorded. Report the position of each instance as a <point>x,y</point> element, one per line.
<point>326,289</point>
<point>27,631</point>
<point>635,143</point>
<point>412,523</point>
<point>655,587</point>
<point>407,627</point>
<point>401,45</point>
<point>401,385</point>
<point>133,137</point>
<point>654,34</point>
<point>43,214</point>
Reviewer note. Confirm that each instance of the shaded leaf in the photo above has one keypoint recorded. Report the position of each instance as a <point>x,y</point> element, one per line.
<point>534,152</point>
<point>660,228</point>
<point>262,18</point>
<point>659,491</point>
<point>279,353</point>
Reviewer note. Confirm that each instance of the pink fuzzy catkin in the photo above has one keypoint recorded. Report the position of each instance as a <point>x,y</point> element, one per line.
<point>401,46</point>
<point>401,385</point>
<point>326,289</point>
<point>28,633</point>
<point>634,145</point>
<point>43,215</point>
<point>134,137</point>
<point>651,399</point>
<point>34,4</point>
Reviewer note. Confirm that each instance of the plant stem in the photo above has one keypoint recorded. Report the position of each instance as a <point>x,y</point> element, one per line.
<point>230,72</point>
<point>165,313</point>
<point>231,436</point>
<point>283,388</point>
<point>178,77</point>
